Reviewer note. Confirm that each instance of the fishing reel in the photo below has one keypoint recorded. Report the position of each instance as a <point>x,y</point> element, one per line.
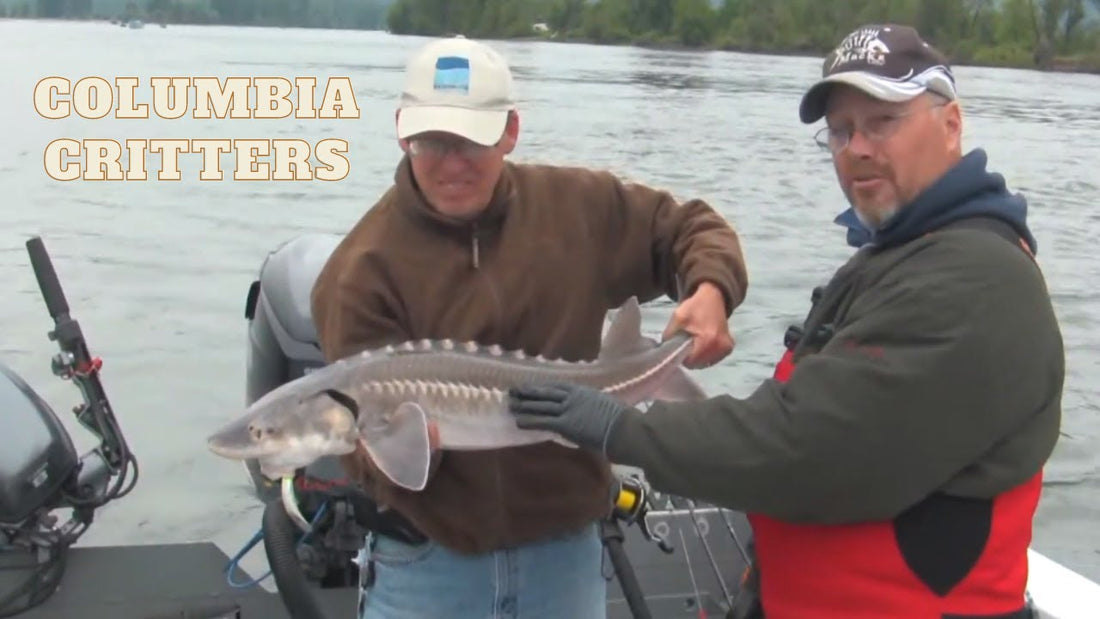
<point>631,504</point>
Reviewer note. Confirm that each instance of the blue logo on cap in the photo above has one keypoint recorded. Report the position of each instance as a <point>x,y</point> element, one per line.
<point>452,73</point>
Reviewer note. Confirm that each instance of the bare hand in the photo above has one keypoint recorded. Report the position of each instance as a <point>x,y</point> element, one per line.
<point>703,315</point>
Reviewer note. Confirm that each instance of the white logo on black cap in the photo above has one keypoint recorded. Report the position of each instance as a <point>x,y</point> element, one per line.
<point>862,46</point>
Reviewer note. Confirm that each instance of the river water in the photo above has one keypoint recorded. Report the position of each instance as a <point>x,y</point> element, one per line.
<point>157,271</point>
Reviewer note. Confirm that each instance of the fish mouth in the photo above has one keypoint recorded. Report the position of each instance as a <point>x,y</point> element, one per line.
<point>236,449</point>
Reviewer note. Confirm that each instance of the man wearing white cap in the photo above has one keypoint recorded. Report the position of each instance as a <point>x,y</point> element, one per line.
<point>468,247</point>
<point>892,465</point>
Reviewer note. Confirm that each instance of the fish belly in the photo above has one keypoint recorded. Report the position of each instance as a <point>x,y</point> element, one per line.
<point>485,429</point>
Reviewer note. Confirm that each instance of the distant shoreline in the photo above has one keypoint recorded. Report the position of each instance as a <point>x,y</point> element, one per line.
<point>1059,65</point>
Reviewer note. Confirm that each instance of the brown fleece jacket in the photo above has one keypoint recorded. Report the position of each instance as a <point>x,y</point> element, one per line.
<point>555,250</point>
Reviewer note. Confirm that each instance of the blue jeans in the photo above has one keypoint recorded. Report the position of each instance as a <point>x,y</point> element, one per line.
<point>557,578</point>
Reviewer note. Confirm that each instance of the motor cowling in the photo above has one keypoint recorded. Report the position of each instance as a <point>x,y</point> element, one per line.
<point>282,340</point>
<point>38,457</point>
<point>282,346</point>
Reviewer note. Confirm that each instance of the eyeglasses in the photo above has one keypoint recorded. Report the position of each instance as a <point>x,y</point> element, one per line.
<point>876,129</point>
<point>437,148</point>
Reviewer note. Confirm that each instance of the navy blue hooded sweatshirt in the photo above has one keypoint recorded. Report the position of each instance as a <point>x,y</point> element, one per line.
<point>966,190</point>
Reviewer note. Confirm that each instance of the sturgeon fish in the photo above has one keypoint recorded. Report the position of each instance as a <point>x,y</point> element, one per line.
<point>387,397</point>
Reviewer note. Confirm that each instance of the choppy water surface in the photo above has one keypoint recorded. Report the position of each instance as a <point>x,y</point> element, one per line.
<point>157,271</point>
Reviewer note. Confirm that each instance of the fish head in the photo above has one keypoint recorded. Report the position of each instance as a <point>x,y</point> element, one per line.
<point>289,432</point>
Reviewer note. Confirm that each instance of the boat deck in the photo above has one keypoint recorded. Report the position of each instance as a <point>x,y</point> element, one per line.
<point>162,581</point>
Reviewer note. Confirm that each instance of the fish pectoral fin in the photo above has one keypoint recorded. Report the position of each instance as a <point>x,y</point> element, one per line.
<point>401,449</point>
<point>679,386</point>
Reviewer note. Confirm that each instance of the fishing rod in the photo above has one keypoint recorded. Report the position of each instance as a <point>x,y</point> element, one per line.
<point>736,540</point>
<point>691,574</point>
<point>612,537</point>
<point>677,506</point>
<point>631,504</point>
<point>672,510</point>
<point>709,552</point>
<point>741,549</point>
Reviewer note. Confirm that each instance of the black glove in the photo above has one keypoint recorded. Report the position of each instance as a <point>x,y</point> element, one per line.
<point>579,414</point>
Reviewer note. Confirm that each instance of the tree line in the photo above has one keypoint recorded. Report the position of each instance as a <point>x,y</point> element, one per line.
<point>349,14</point>
<point>1049,34</point>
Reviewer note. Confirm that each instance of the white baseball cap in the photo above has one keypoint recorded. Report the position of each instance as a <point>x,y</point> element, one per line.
<point>458,86</point>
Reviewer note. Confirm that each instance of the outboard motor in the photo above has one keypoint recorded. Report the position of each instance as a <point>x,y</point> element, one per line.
<point>283,346</point>
<point>40,471</point>
<point>37,465</point>
<point>282,341</point>
<point>38,456</point>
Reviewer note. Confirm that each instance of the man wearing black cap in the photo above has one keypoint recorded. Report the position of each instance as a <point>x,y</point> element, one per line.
<point>893,464</point>
<point>890,75</point>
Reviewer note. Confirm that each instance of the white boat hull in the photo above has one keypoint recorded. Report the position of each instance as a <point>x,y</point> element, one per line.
<point>1060,593</point>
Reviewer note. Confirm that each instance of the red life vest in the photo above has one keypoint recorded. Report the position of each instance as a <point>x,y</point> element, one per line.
<point>873,570</point>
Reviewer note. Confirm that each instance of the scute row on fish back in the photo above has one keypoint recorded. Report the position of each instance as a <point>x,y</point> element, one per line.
<point>386,398</point>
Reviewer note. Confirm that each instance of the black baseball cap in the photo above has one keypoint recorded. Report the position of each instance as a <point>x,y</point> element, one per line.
<point>890,62</point>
